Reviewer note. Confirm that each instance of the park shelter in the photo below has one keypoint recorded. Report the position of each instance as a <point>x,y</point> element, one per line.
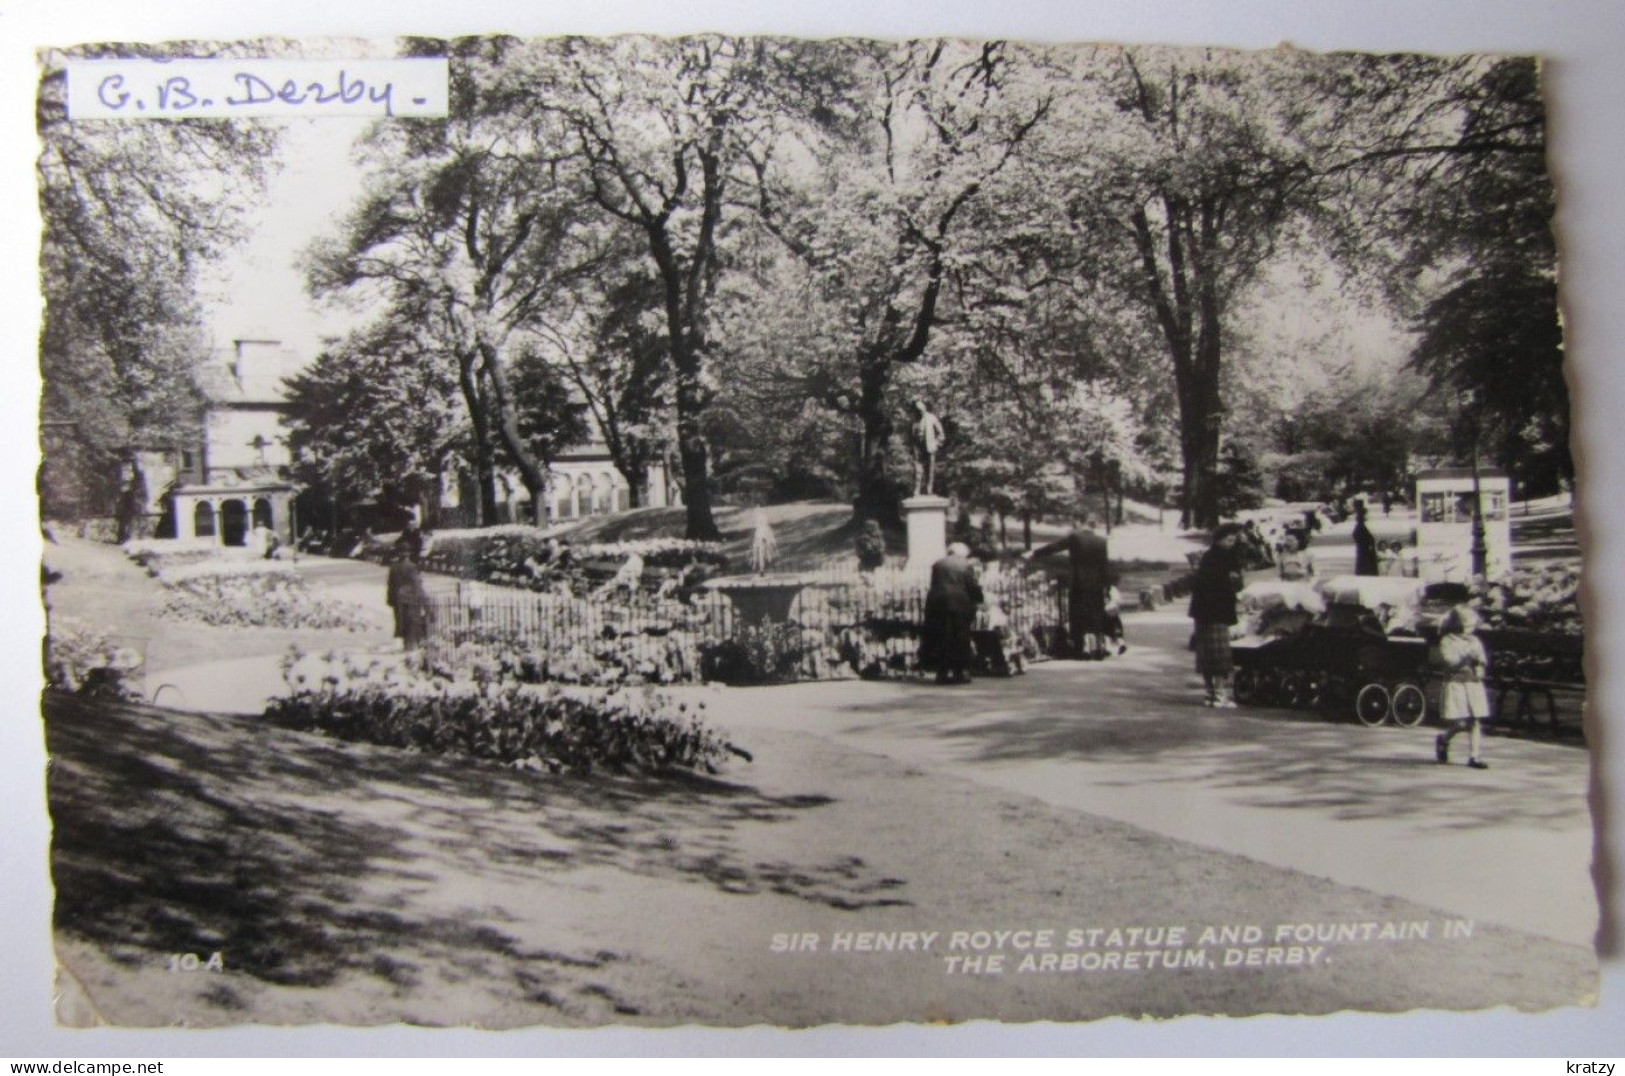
<point>1444,522</point>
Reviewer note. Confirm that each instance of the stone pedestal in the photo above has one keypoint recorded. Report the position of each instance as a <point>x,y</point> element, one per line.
<point>927,519</point>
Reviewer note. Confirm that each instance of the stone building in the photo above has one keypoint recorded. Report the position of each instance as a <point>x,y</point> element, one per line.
<point>237,478</point>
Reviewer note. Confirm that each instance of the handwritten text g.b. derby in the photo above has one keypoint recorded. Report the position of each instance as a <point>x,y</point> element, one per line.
<point>144,89</point>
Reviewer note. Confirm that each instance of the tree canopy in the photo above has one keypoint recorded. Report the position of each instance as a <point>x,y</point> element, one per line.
<point>749,255</point>
<point>132,212</point>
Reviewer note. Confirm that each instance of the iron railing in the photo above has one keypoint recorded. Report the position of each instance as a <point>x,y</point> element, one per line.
<point>810,626</point>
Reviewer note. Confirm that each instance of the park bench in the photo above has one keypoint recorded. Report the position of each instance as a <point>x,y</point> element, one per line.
<point>1526,665</point>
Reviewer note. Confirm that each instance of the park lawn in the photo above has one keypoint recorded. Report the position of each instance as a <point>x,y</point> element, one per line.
<point>104,589</point>
<point>357,884</point>
<point>819,534</point>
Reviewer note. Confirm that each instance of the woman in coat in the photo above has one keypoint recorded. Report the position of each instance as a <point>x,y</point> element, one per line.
<point>950,611</point>
<point>1213,608</point>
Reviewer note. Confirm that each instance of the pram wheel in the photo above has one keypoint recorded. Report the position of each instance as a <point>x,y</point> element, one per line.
<point>1316,691</point>
<point>1245,685</point>
<point>1295,689</point>
<point>1409,705</point>
<point>1372,705</point>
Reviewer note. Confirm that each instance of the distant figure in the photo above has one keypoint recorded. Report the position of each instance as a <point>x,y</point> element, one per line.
<point>406,596</point>
<point>1114,633</point>
<point>1294,563</point>
<point>764,548</point>
<point>925,436</point>
<point>1463,703</point>
<point>1213,608</point>
<point>411,539</point>
<point>950,611</point>
<point>1089,558</point>
<point>1365,544</point>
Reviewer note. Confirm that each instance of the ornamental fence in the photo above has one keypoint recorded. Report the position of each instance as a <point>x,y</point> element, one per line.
<point>770,629</point>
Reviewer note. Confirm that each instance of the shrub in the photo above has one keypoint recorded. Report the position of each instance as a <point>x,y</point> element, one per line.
<point>1534,599</point>
<point>871,546</point>
<point>552,728</point>
<point>82,660</point>
<point>770,653</point>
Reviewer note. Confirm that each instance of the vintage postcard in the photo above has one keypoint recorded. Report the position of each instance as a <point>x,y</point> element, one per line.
<point>730,530</point>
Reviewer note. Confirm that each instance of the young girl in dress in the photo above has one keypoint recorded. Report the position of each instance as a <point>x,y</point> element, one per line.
<point>1463,703</point>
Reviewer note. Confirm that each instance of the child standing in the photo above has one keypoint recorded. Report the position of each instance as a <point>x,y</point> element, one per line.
<point>1114,620</point>
<point>1463,703</point>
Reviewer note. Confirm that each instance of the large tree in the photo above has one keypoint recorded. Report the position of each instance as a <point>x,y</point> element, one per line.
<point>1194,185</point>
<point>614,358</point>
<point>470,224</point>
<point>374,419</point>
<point>1483,264</point>
<point>664,129</point>
<point>893,215</point>
<point>132,212</point>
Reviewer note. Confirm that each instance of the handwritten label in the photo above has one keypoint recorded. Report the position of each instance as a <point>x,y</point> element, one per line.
<point>214,89</point>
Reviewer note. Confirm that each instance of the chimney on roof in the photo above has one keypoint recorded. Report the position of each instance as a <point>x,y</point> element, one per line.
<point>242,350</point>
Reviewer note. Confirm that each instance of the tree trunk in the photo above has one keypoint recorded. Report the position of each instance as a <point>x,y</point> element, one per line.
<point>1187,310</point>
<point>1199,451</point>
<point>132,502</point>
<point>876,496</point>
<point>685,327</point>
<point>531,470</point>
<point>485,485</point>
<point>1201,418</point>
<point>1105,494</point>
<point>692,451</point>
<point>633,468</point>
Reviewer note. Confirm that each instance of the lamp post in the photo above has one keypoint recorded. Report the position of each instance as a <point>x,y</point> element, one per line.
<point>1480,547</point>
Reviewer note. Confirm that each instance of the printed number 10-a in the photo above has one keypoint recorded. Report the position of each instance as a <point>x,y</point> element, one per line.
<point>193,962</point>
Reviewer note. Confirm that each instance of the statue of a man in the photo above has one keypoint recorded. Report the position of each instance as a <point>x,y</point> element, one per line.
<point>925,437</point>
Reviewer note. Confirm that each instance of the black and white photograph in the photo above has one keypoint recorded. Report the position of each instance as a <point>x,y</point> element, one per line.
<point>727,527</point>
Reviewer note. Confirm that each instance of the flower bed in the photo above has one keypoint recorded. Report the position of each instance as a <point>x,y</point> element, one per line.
<point>551,728</point>
<point>611,661</point>
<point>518,556</point>
<point>1542,599</point>
<point>222,587</point>
<point>159,556</point>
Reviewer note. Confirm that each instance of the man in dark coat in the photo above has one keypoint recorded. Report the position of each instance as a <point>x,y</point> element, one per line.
<point>405,593</point>
<point>950,611</point>
<point>1365,544</point>
<point>1086,596</point>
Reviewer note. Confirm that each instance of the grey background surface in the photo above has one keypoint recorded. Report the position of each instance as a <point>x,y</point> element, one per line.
<point>1583,42</point>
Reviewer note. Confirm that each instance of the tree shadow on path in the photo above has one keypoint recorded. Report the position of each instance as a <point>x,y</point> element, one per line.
<point>1141,716</point>
<point>308,859</point>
